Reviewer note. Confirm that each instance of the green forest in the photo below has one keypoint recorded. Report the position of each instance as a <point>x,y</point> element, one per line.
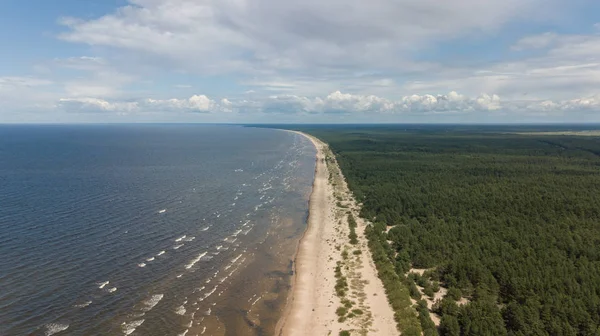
<point>507,219</point>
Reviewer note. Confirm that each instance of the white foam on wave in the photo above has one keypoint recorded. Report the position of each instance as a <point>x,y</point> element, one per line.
<point>195,260</point>
<point>180,310</point>
<point>160,253</point>
<point>208,294</point>
<point>189,239</point>
<point>179,276</point>
<point>206,228</point>
<point>54,328</point>
<point>102,284</point>
<point>184,333</point>
<point>203,331</point>
<point>142,264</point>
<point>162,211</point>
<point>112,290</point>
<point>255,301</point>
<point>180,238</point>
<point>236,233</point>
<point>150,259</point>
<point>177,246</point>
<point>129,327</point>
<point>151,302</point>
<point>236,258</point>
<point>83,305</point>
<point>230,239</point>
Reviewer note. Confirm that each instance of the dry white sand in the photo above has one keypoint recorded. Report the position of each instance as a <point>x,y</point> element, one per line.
<point>312,304</point>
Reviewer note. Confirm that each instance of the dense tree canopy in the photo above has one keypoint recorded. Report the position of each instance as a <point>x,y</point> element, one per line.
<point>510,221</point>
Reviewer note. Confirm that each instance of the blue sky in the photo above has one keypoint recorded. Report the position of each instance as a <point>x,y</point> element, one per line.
<point>300,61</point>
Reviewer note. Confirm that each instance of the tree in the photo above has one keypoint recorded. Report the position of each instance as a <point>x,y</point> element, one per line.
<point>449,326</point>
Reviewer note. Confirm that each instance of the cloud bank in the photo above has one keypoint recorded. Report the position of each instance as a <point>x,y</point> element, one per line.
<point>335,103</point>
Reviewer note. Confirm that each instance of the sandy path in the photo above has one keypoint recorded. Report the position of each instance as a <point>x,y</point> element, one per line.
<point>311,307</point>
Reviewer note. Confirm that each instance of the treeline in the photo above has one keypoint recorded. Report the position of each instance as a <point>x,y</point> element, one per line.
<point>511,222</point>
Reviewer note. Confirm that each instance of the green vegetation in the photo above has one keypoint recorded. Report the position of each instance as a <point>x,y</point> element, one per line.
<point>352,235</point>
<point>341,285</point>
<point>506,219</point>
<point>396,291</point>
<point>344,333</point>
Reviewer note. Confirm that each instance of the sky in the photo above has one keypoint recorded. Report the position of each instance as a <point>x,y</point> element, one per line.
<point>308,61</point>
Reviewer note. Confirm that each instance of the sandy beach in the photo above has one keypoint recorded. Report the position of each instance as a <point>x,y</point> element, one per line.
<point>314,307</point>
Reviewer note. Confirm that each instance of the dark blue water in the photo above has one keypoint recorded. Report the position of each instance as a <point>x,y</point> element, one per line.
<point>148,229</point>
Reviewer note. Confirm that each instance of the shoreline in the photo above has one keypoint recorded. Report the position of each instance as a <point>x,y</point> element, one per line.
<point>286,325</point>
<point>312,306</point>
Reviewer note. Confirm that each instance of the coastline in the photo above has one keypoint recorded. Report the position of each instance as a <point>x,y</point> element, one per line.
<point>313,304</point>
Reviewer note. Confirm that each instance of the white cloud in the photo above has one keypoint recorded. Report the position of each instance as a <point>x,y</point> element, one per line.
<point>96,105</point>
<point>310,37</point>
<point>12,82</point>
<point>196,103</point>
<point>286,54</point>
<point>536,41</point>
<point>336,102</point>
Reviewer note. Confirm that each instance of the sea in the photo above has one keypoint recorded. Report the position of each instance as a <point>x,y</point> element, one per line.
<point>149,229</point>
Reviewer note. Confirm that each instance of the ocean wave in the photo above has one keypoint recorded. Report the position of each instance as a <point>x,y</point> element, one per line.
<point>206,228</point>
<point>236,258</point>
<point>54,328</point>
<point>102,284</point>
<point>82,305</point>
<point>129,327</point>
<point>255,301</point>
<point>195,260</point>
<point>184,333</point>
<point>151,302</point>
<point>150,259</point>
<point>142,264</point>
<point>160,253</point>
<point>162,211</point>
<point>112,290</point>
<point>180,238</point>
<point>177,246</point>
<point>189,239</point>
<point>208,294</point>
<point>180,310</point>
